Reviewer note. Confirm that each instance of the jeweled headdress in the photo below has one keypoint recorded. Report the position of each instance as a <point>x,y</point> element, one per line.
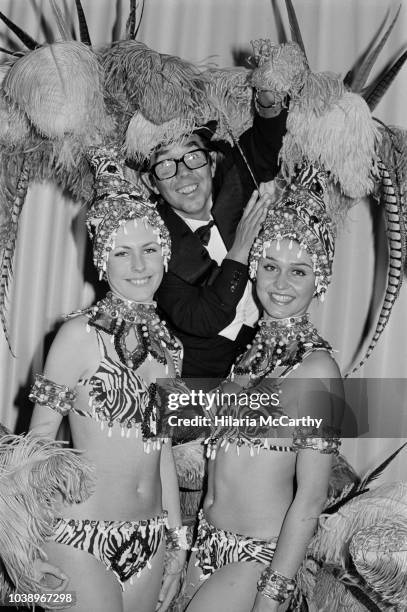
<point>117,201</point>
<point>301,215</point>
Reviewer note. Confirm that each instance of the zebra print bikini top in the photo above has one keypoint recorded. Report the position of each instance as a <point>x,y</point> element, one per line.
<point>286,343</point>
<point>119,395</point>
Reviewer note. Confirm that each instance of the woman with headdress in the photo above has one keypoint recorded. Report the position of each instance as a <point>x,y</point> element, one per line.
<point>268,477</point>
<point>101,373</point>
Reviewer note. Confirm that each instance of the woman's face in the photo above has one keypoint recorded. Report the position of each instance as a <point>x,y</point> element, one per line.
<point>285,280</point>
<point>135,266</point>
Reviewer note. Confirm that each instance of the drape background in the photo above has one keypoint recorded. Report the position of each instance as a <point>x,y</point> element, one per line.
<point>49,276</point>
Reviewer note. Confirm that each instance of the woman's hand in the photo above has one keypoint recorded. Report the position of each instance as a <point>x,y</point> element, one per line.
<point>50,576</point>
<point>51,580</point>
<point>173,566</point>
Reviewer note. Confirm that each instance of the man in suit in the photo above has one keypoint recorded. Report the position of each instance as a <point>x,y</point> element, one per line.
<point>206,296</point>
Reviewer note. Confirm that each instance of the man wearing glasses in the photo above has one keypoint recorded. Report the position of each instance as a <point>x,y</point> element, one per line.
<point>206,295</point>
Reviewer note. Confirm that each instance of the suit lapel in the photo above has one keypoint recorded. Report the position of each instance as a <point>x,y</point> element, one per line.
<point>227,210</point>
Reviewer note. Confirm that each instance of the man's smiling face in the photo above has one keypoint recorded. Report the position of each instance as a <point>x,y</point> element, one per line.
<point>189,191</point>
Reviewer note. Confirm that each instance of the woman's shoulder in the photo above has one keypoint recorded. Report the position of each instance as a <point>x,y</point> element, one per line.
<point>319,364</point>
<point>74,330</point>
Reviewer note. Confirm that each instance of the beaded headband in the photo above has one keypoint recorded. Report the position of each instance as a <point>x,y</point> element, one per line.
<point>301,216</point>
<point>116,202</point>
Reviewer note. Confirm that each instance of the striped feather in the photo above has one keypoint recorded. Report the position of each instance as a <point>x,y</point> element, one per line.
<point>25,38</point>
<point>375,94</point>
<point>6,270</point>
<point>396,235</point>
<point>83,26</point>
<point>131,21</point>
<point>359,79</point>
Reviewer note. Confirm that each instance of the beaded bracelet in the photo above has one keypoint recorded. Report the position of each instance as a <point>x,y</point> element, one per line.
<point>48,393</point>
<point>326,444</point>
<point>274,585</point>
<point>177,538</point>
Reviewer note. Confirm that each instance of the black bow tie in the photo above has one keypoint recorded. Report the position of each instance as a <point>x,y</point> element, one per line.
<point>204,232</point>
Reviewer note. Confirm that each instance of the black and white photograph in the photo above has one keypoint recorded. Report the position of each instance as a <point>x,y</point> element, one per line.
<point>203,305</point>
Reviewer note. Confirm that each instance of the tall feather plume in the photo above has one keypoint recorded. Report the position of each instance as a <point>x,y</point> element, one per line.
<point>25,38</point>
<point>359,79</point>
<point>360,488</point>
<point>294,26</point>
<point>83,26</point>
<point>63,26</point>
<point>131,21</point>
<point>375,93</point>
<point>9,52</point>
<point>140,19</point>
<point>392,202</point>
<point>376,472</point>
<point>6,270</point>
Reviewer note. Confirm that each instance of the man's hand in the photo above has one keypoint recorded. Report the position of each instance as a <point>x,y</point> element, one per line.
<point>269,103</point>
<point>249,226</point>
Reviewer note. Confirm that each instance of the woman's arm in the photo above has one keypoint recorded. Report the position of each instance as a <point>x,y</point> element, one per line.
<point>312,470</point>
<point>72,350</point>
<point>312,473</point>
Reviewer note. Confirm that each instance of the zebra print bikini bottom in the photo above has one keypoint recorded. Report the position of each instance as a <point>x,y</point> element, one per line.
<point>215,548</point>
<point>125,547</point>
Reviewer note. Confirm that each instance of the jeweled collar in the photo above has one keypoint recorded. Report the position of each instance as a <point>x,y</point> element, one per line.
<point>129,311</point>
<point>287,328</point>
<point>279,342</point>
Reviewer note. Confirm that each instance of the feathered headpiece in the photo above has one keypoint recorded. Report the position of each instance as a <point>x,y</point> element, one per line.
<point>116,202</point>
<point>301,215</point>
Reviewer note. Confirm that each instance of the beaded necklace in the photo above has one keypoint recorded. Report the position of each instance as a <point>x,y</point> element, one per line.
<point>279,342</point>
<point>118,317</point>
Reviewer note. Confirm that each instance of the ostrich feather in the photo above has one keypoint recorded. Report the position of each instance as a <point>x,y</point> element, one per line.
<point>36,475</point>
<point>190,464</point>
<point>379,554</point>
<point>59,88</point>
<point>342,141</point>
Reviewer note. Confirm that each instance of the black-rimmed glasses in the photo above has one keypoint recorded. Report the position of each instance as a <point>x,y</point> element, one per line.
<point>167,168</point>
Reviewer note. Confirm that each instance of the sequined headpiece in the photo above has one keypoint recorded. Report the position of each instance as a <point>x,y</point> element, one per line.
<point>116,202</point>
<point>301,216</point>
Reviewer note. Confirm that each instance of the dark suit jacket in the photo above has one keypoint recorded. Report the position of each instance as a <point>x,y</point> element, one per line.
<point>197,297</point>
